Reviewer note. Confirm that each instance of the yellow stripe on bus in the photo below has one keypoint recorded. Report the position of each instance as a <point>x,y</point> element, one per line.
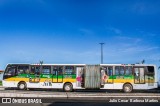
<point>41,79</point>
<point>74,80</point>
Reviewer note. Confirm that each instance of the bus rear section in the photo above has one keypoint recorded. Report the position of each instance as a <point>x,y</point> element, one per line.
<point>130,77</point>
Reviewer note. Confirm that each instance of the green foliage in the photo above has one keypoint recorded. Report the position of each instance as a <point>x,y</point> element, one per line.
<point>0,83</point>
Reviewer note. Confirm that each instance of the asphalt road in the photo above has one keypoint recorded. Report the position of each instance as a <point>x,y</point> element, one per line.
<point>84,97</point>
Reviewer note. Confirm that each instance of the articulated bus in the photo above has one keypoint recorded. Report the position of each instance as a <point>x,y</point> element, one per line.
<point>126,77</point>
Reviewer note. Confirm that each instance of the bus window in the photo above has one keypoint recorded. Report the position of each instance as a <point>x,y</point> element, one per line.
<point>106,74</point>
<point>32,70</point>
<point>117,70</point>
<point>150,75</point>
<point>55,69</point>
<point>35,70</point>
<point>69,70</point>
<point>121,70</point>
<point>128,70</point>
<point>23,70</point>
<point>10,71</point>
<point>60,70</point>
<point>150,69</point>
<point>46,70</point>
<point>110,70</point>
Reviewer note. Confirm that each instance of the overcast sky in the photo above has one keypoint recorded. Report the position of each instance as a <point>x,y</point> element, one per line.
<point>69,31</point>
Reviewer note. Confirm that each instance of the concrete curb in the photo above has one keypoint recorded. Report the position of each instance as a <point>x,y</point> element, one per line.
<point>32,95</point>
<point>2,88</point>
<point>69,95</point>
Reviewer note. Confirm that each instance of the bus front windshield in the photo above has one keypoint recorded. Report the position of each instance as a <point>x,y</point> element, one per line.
<point>9,72</point>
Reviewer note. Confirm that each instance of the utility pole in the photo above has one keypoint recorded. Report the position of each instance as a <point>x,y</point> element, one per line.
<point>101,52</point>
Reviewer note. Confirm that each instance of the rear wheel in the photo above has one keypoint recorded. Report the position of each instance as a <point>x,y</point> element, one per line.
<point>127,88</point>
<point>22,86</point>
<point>68,87</point>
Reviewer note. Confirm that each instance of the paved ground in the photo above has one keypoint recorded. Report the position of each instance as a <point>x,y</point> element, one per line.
<point>84,104</point>
<point>77,94</point>
<point>83,97</point>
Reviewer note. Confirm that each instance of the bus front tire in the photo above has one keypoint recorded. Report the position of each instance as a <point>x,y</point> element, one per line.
<point>127,88</point>
<point>68,87</point>
<point>22,86</point>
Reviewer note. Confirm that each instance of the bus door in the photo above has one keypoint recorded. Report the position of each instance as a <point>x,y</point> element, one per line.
<point>80,76</point>
<point>34,74</point>
<point>57,75</point>
<point>107,75</point>
<point>139,76</point>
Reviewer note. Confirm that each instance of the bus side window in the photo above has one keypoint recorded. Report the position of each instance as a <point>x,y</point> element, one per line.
<point>60,71</point>
<point>69,70</point>
<point>46,70</point>
<point>23,70</point>
<point>105,71</point>
<point>110,70</point>
<point>32,70</point>
<point>117,70</point>
<point>121,70</point>
<point>35,70</point>
<point>150,69</point>
<point>128,70</point>
<point>55,70</point>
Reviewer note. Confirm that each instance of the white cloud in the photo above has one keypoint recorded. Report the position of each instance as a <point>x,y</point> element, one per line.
<point>145,7</point>
<point>139,49</point>
<point>128,38</point>
<point>86,31</point>
<point>115,30</point>
<point>139,7</point>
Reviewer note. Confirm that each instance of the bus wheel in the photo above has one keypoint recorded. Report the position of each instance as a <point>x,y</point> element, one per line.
<point>22,86</point>
<point>127,88</point>
<point>68,87</point>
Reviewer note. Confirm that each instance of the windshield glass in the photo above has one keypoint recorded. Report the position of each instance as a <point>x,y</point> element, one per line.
<point>10,71</point>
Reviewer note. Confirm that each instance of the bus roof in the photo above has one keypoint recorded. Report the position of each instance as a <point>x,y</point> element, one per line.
<point>86,64</point>
<point>129,64</point>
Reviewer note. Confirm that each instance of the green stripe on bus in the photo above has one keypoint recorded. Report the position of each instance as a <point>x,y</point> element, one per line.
<point>121,77</point>
<point>45,76</point>
<point>69,76</point>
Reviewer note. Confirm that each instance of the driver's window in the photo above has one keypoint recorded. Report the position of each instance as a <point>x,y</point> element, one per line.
<point>11,71</point>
